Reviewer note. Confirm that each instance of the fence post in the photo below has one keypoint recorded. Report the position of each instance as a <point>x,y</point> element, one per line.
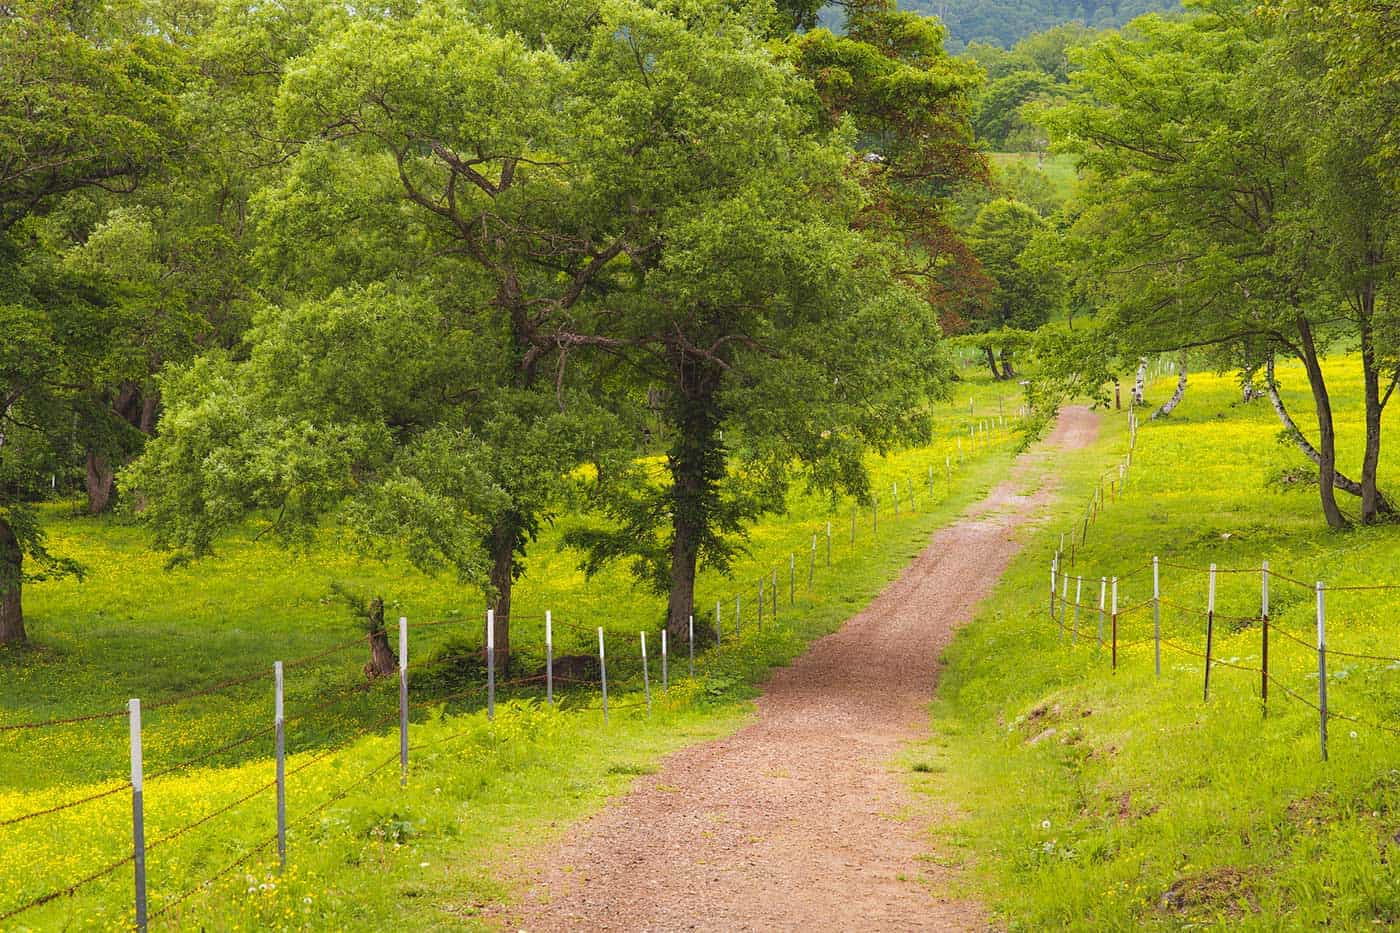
<point>1064,601</point>
<point>403,701</point>
<point>646,673</point>
<point>760,602</point>
<point>718,638</point>
<point>775,588</point>
<point>948,468</point>
<point>1210,630</point>
<point>1103,596</point>
<point>1264,655</point>
<point>812,563</point>
<point>1078,591</point>
<point>895,488</point>
<point>1054,574</point>
<point>792,572</point>
<point>1156,620</point>
<point>1115,623</point>
<point>603,673</point>
<point>665,674</point>
<point>1322,670</point>
<point>490,664</point>
<point>549,657</point>
<point>138,814</point>
<point>690,632</point>
<point>828,545</point>
<point>281,750</point>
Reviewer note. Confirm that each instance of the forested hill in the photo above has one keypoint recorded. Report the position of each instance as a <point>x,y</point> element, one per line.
<point>1003,22</point>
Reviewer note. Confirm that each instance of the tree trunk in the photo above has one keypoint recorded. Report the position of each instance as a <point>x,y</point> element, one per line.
<point>696,462</point>
<point>382,660</point>
<point>1343,482</point>
<point>1370,508</point>
<point>505,537</point>
<point>992,363</point>
<point>1007,370</point>
<point>11,579</point>
<point>1327,438</point>
<point>1177,396</point>
<point>101,483</point>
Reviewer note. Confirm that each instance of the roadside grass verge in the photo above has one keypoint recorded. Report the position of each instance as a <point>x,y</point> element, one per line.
<point>1098,799</point>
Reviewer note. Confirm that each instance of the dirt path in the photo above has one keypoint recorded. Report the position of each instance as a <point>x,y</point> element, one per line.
<point>798,820</point>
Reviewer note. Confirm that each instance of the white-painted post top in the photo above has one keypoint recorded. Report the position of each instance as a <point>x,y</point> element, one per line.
<point>600,641</point>
<point>277,678</point>
<point>1210,604</point>
<point>1264,591</point>
<point>403,643</point>
<point>133,709</point>
<point>490,630</point>
<point>663,641</point>
<point>1321,616</point>
<point>548,628</point>
<point>1115,595</point>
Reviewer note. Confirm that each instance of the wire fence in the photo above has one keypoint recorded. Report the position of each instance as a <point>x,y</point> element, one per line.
<point>608,684</point>
<point>1133,625</point>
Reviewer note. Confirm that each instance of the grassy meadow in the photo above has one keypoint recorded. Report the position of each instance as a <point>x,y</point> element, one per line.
<point>363,852</point>
<point>1101,799</point>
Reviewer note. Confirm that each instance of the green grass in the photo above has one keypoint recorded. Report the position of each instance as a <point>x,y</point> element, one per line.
<point>1059,169</point>
<point>1147,806</point>
<point>431,854</point>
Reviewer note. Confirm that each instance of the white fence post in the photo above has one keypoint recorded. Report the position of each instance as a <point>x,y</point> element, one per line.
<point>403,701</point>
<point>603,673</point>
<point>646,673</point>
<point>281,749</point>
<point>549,657</point>
<point>490,664</point>
<point>138,814</point>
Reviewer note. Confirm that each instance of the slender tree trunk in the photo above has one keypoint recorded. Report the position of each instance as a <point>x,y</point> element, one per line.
<point>992,363</point>
<point>11,580</point>
<point>1370,509</point>
<point>505,538</point>
<point>1343,482</point>
<point>1178,395</point>
<point>696,462</point>
<point>101,483</point>
<point>382,660</point>
<point>1008,371</point>
<point>1327,438</point>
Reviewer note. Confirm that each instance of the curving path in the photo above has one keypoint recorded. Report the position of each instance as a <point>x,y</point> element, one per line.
<point>798,820</point>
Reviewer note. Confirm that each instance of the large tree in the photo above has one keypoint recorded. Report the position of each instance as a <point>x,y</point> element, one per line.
<point>87,112</point>
<point>779,318</point>
<point>1238,206</point>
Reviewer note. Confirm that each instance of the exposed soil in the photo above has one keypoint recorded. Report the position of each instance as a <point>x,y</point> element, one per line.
<point>800,820</point>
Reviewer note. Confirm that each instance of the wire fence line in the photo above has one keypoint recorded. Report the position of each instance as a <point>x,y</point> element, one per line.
<point>632,691</point>
<point>1065,612</point>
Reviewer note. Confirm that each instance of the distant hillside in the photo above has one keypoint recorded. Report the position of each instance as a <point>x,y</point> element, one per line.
<point>1003,22</point>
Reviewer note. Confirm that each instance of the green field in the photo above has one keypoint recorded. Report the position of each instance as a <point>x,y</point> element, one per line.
<point>476,794</point>
<point>1113,800</point>
<point>1059,169</point>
